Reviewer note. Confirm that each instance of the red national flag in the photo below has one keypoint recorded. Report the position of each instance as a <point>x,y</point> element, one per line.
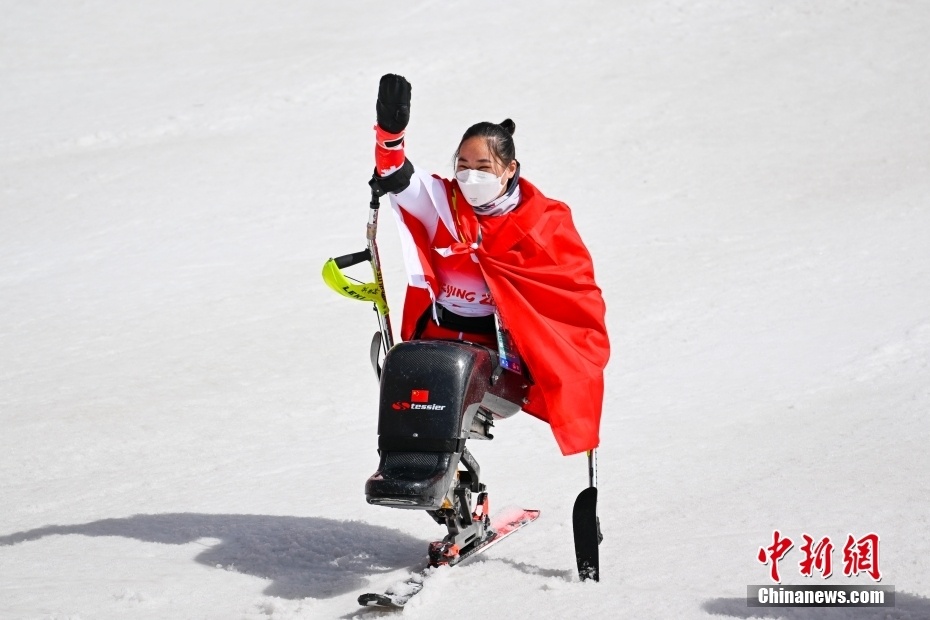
<point>541,277</point>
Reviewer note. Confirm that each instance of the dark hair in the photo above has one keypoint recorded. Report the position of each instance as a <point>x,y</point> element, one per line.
<point>499,137</point>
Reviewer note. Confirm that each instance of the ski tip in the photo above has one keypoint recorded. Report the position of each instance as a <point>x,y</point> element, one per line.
<point>587,497</point>
<point>371,599</point>
<point>514,513</point>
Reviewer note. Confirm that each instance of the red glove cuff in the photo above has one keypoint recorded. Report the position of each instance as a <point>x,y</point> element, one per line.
<point>389,151</point>
<point>387,139</point>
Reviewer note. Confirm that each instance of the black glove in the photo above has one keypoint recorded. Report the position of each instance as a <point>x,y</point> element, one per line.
<point>393,105</point>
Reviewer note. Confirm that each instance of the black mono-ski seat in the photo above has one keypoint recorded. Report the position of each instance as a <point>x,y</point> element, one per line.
<point>435,394</point>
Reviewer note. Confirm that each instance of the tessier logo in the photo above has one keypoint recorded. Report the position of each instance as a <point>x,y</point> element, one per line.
<point>419,399</point>
<point>402,405</point>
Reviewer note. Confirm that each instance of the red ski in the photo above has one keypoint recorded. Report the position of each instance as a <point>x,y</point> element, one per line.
<point>503,525</point>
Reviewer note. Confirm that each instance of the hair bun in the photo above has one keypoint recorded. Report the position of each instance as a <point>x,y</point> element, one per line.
<point>509,126</point>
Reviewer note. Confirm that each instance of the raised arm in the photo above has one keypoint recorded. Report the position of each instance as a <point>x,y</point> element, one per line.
<point>416,192</point>
<point>392,168</point>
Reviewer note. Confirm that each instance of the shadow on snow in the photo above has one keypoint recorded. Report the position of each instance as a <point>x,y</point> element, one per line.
<point>303,556</point>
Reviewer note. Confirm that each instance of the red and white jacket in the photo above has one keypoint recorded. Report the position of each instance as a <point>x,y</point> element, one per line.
<point>532,267</point>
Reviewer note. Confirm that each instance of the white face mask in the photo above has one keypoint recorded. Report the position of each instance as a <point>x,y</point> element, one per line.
<point>478,187</point>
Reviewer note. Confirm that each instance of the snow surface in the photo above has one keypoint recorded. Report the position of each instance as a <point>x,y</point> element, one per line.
<point>188,415</point>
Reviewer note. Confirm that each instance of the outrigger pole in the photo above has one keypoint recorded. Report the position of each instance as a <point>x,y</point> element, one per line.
<point>374,292</point>
<point>587,525</point>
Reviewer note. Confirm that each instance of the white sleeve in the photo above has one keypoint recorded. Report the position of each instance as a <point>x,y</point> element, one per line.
<point>424,199</point>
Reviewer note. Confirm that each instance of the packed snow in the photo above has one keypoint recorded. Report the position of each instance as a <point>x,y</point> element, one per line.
<point>188,415</point>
